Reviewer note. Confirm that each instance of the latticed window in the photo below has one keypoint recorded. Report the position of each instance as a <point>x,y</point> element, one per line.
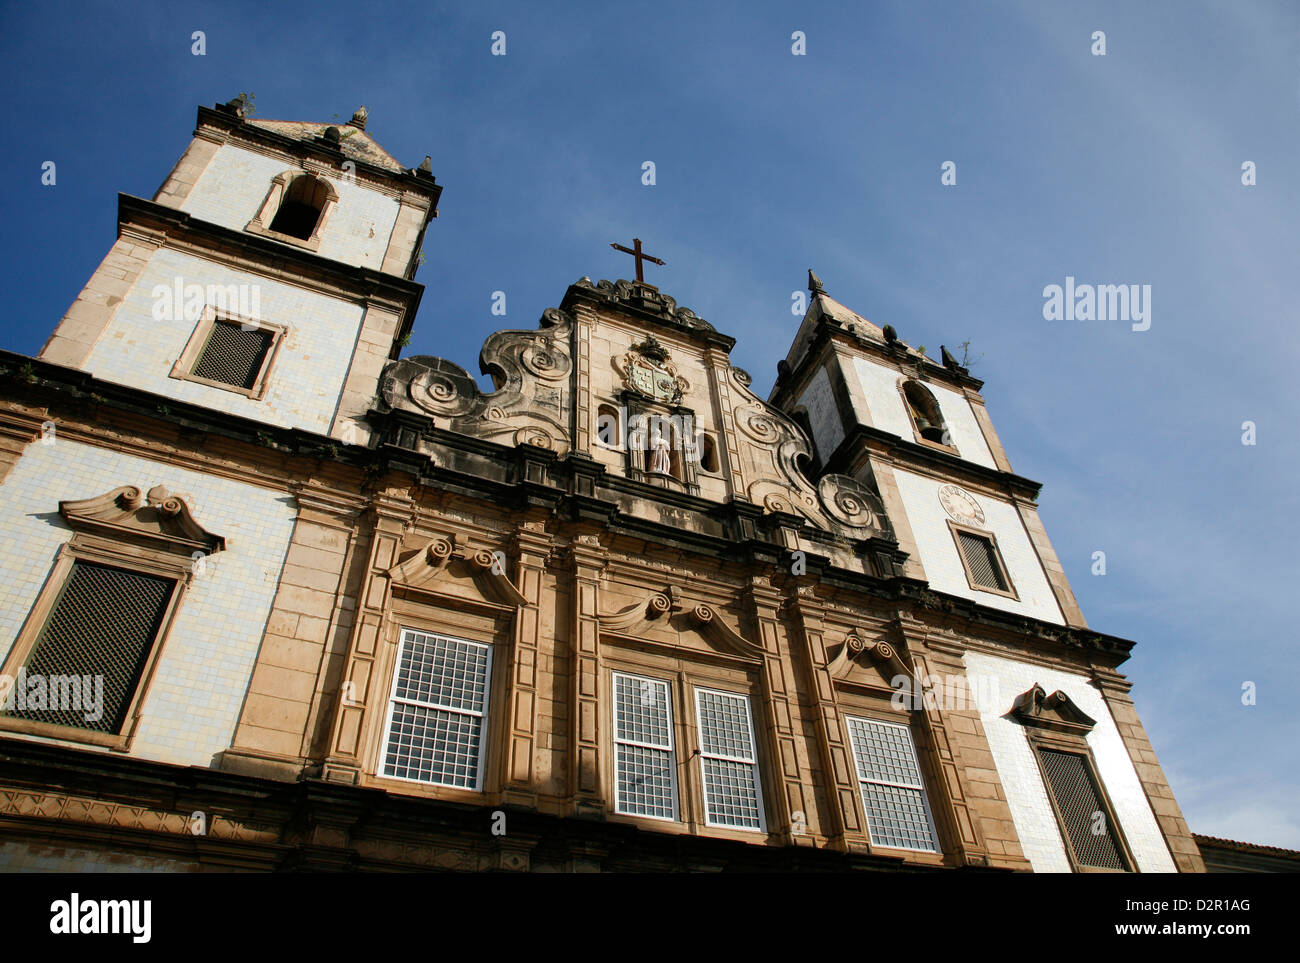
<point>645,775</point>
<point>103,626</point>
<point>234,354</point>
<point>892,791</point>
<point>1084,819</point>
<point>728,760</point>
<point>438,711</point>
<point>982,561</point>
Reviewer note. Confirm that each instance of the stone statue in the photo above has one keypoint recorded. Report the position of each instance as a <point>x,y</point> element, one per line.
<point>659,459</point>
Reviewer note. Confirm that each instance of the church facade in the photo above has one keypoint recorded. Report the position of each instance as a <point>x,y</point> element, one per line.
<point>276,598</point>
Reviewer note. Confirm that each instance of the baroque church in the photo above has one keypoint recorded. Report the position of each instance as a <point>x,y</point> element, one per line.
<point>277,598</point>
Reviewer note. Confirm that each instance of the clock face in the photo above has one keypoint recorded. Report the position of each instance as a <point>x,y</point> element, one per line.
<point>961,505</point>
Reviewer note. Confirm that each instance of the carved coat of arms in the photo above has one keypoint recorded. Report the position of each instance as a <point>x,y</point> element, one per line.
<point>649,369</point>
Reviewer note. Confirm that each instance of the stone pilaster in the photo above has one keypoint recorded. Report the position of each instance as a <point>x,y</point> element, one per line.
<point>779,721</point>
<point>288,684</point>
<point>1051,564</point>
<point>586,792</point>
<point>519,782</point>
<point>363,697</point>
<point>1182,846</point>
<point>847,829</point>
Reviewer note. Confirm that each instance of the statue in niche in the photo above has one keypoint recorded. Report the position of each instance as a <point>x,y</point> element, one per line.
<point>660,460</point>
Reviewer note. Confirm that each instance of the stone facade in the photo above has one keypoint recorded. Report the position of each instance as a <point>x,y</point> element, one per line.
<point>621,506</point>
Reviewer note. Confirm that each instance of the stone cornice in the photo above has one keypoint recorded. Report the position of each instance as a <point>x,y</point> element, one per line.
<point>209,119</point>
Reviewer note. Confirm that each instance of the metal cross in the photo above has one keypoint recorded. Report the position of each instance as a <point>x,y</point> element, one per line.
<point>637,253</point>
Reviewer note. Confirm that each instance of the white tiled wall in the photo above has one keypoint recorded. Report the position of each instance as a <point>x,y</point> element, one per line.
<point>234,185</point>
<point>309,369</point>
<point>997,682</point>
<point>888,413</point>
<point>207,661</point>
<point>824,417</point>
<point>938,549</point>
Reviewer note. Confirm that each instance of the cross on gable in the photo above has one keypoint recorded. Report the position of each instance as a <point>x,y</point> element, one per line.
<point>640,256</point>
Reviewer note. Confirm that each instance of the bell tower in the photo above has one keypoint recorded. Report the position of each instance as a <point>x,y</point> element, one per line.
<point>877,408</point>
<point>270,277</point>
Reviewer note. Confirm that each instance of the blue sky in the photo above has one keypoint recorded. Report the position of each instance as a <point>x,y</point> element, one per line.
<point>1117,169</point>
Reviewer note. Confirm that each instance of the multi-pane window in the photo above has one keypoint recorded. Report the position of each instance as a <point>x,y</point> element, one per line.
<point>94,646</point>
<point>892,791</point>
<point>728,761</point>
<point>643,748</point>
<point>983,562</point>
<point>234,354</point>
<point>438,712</point>
<point>1085,820</point>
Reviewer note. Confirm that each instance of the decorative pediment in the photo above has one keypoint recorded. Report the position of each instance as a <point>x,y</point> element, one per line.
<point>662,607</point>
<point>158,520</point>
<point>442,557</point>
<point>530,404</point>
<point>1057,711</point>
<point>645,297</point>
<point>856,650</point>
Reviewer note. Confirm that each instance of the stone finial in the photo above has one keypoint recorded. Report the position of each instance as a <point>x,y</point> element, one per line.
<point>948,360</point>
<point>890,334</point>
<point>359,118</point>
<point>815,283</point>
<point>427,164</point>
<point>333,135</point>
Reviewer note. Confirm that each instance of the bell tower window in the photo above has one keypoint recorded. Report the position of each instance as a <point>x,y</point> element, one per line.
<point>301,208</point>
<point>296,209</point>
<point>927,417</point>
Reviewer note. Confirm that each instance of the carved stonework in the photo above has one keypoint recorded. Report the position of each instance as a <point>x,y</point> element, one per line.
<point>1056,711</point>
<point>160,520</point>
<point>645,298</point>
<point>530,404</point>
<point>648,370</point>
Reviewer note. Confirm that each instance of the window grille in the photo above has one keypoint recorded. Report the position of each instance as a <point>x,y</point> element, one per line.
<point>728,760</point>
<point>104,623</point>
<point>233,356</point>
<point>1081,809</point>
<point>892,791</point>
<point>982,561</point>
<point>438,711</point>
<point>643,748</point>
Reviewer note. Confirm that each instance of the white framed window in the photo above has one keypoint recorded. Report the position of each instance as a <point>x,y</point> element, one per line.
<point>437,714</point>
<point>898,813</point>
<point>728,760</point>
<point>645,771</point>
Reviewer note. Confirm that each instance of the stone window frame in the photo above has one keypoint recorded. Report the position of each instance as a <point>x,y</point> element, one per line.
<point>469,622</point>
<point>911,417</point>
<point>261,222</point>
<point>672,748</point>
<point>183,369</point>
<point>1077,745</point>
<point>390,701</point>
<point>925,787</point>
<point>96,549</point>
<point>874,701</point>
<point>683,678</point>
<point>1010,592</point>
